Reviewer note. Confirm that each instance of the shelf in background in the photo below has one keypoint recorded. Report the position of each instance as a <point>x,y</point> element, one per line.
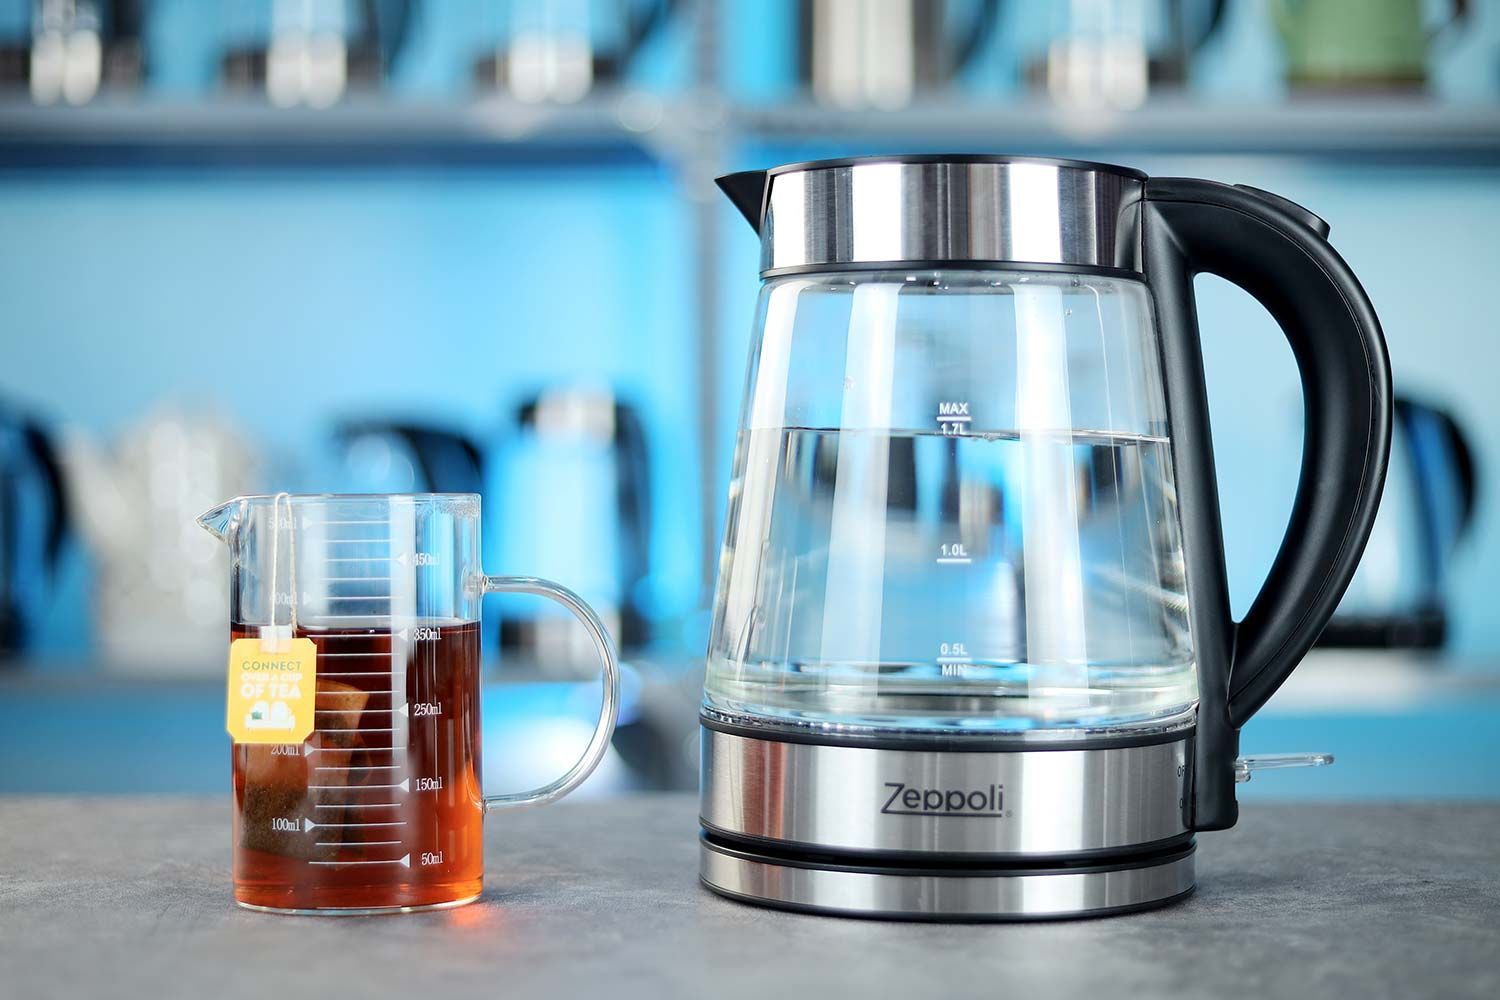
<point>638,126</point>
<point>1404,129</point>
<point>363,131</point>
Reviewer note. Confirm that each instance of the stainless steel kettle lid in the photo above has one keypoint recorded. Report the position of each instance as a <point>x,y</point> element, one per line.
<point>941,210</point>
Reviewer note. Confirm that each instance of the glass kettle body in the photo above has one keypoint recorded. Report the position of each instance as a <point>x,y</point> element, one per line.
<point>973,550</point>
<point>954,510</point>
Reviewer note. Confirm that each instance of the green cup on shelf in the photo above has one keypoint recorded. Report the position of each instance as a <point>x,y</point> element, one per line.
<point>1358,45</point>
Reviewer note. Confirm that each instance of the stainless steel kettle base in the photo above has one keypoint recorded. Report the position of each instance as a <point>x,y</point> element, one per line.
<point>948,892</point>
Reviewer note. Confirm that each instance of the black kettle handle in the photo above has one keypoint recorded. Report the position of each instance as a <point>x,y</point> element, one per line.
<point>1278,252</point>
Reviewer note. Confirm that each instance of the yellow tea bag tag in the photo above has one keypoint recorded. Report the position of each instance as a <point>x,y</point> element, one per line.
<point>273,686</point>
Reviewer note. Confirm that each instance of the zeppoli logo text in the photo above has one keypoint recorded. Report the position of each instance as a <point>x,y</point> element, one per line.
<point>905,800</point>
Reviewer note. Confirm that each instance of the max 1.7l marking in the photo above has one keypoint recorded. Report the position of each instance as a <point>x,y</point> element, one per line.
<point>906,801</point>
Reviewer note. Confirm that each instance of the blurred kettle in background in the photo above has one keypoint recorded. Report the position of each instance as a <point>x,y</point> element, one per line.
<point>312,52</point>
<point>157,607</point>
<point>382,456</point>
<point>1359,45</point>
<point>567,493</point>
<point>1397,600</point>
<point>34,524</point>
<point>574,497</point>
<point>1114,53</point>
<point>70,50</point>
<point>883,54</point>
<point>560,50</point>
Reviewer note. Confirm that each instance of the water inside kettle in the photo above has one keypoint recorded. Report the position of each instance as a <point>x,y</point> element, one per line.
<point>947,580</point>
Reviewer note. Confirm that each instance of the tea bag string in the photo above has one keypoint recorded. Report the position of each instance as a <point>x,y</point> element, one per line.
<point>291,556</point>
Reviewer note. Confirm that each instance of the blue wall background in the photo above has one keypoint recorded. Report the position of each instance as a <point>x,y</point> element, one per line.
<point>449,293</point>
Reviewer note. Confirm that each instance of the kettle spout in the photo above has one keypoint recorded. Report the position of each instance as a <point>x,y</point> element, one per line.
<point>747,189</point>
<point>222,520</point>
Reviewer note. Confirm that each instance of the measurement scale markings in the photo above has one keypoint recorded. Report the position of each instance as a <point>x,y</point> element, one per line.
<point>372,634</point>
<point>356,805</point>
<point>359,843</point>
<point>402,784</point>
<point>955,659</point>
<point>953,420</point>
<point>404,861</point>
<point>357,767</point>
<point>955,560</point>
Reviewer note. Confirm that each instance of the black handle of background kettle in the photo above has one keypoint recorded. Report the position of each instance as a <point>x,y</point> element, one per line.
<point>39,445</point>
<point>1276,251</point>
<point>976,33</point>
<point>1460,456</point>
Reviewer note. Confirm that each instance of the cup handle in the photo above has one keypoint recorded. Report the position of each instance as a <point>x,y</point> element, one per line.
<point>609,708</point>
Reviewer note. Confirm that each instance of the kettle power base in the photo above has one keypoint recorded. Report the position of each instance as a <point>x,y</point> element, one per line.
<point>942,829</point>
<point>947,893</point>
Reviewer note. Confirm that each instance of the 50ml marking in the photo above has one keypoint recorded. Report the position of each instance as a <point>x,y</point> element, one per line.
<point>953,417</point>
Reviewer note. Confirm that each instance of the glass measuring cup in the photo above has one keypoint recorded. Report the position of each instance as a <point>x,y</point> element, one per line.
<point>360,792</point>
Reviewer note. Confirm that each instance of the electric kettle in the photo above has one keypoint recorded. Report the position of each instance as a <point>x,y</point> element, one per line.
<point>1398,598</point>
<point>972,654</point>
<point>576,497</point>
<point>34,526</point>
<point>404,457</point>
<point>1115,54</point>
<point>885,54</point>
<point>560,50</point>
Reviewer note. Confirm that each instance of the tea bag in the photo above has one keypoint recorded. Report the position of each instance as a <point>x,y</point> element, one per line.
<point>277,780</point>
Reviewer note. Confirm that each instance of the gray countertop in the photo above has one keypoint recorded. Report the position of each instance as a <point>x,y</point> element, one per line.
<point>131,896</point>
